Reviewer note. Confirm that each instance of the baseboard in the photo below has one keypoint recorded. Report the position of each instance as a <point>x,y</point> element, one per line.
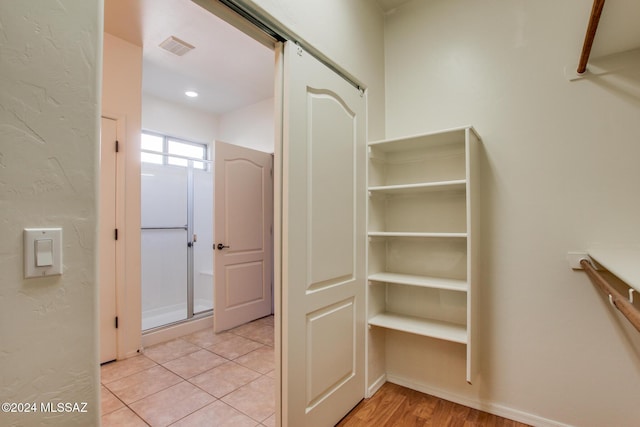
<point>373,388</point>
<point>176,331</point>
<point>130,354</point>
<point>490,407</point>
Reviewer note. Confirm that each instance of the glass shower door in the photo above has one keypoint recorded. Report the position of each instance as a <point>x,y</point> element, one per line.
<point>164,238</point>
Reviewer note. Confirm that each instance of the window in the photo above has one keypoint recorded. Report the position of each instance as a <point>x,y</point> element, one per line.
<point>165,150</point>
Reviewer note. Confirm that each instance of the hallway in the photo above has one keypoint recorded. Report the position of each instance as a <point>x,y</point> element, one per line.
<point>204,378</point>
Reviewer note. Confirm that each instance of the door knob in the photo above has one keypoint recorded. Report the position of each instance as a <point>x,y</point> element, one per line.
<point>221,246</point>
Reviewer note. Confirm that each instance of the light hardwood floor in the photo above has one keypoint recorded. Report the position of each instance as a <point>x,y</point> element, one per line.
<point>398,406</point>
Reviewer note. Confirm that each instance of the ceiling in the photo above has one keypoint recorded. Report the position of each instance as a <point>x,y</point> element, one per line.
<point>231,70</point>
<point>227,68</point>
<point>618,30</point>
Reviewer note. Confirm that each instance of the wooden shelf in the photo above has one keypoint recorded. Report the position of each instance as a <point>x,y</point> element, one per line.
<point>422,281</point>
<point>421,326</point>
<point>624,262</point>
<point>455,185</point>
<point>412,234</point>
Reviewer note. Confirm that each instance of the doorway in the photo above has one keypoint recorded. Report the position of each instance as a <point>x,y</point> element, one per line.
<point>235,104</point>
<point>305,389</point>
<point>203,81</point>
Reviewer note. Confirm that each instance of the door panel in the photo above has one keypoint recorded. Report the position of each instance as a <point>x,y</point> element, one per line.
<point>328,370</point>
<point>107,225</point>
<point>240,283</point>
<point>244,198</point>
<point>331,166</point>
<point>323,236</point>
<point>243,220</point>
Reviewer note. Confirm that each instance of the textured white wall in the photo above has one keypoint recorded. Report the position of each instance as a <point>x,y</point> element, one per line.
<point>559,173</point>
<point>50,54</point>
<point>350,33</point>
<point>251,126</point>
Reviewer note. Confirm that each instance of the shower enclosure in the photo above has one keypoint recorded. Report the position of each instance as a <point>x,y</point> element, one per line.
<point>177,231</point>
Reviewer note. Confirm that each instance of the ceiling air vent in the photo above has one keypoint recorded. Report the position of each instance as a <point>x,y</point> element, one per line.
<point>176,46</point>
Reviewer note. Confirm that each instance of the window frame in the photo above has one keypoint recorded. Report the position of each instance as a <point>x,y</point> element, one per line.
<point>165,155</point>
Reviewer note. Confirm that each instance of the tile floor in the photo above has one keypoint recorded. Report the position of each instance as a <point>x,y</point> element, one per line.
<point>202,379</point>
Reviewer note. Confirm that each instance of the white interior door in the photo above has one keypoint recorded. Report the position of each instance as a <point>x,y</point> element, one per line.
<point>323,237</point>
<point>107,226</point>
<point>243,219</point>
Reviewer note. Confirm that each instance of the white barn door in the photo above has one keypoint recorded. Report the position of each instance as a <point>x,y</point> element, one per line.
<point>323,237</point>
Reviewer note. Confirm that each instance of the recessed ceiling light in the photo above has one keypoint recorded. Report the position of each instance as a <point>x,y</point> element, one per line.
<point>191,94</point>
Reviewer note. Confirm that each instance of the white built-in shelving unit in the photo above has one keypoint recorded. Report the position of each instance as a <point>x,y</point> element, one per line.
<point>422,241</point>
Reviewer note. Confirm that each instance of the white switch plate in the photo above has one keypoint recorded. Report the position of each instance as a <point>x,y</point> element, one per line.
<point>31,235</point>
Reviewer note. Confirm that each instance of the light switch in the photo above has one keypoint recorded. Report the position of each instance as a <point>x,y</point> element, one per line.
<point>42,252</point>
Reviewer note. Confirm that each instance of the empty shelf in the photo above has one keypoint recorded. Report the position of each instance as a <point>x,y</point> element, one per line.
<point>424,281</point>
<point>459,185</point>
<point>421,326</point>
<point>413,234</point>
<point>449,136</point>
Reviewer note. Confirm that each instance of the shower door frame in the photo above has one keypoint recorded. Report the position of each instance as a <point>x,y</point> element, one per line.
<point>189,227</point>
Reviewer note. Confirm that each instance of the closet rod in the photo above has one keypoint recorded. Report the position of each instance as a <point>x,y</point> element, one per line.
<point>596,11</point>
<point>620,302</point>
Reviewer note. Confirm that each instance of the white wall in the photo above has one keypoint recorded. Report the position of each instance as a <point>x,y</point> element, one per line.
<point>350,33</point>
<point>121,99</point>
<point>177,120</point>
<point>559,173</point>
<point>252,126</point>
<point>50,54</point>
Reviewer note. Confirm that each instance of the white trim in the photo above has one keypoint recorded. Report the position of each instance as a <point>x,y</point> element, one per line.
<point>375,386</point>
<point>482,405</point>
<point>278,179</point>
<point>123,307</point>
